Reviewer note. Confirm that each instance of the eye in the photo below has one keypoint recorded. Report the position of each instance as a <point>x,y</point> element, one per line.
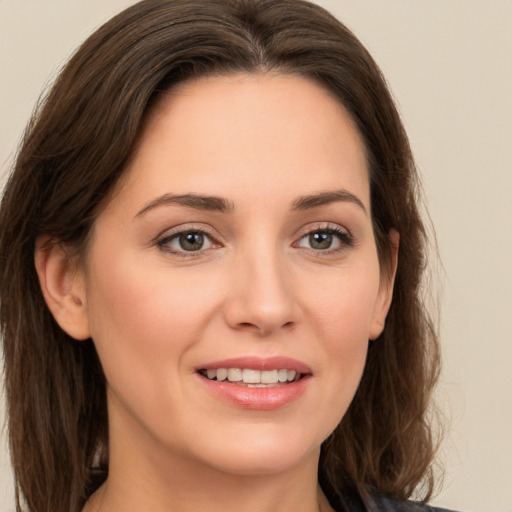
<point>326,239</point>
<point>186,241</point>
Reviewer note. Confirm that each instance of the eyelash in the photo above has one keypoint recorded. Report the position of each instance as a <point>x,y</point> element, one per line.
<point>163,242</point>
<point>344,237</point>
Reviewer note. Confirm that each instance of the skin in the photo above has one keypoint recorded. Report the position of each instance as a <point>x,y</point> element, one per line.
<point>157,313</point>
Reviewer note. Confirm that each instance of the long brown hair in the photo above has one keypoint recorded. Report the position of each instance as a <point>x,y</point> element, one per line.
<point>72,155</point>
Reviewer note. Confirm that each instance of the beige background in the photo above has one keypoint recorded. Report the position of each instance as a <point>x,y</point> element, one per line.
<point>449,64</point>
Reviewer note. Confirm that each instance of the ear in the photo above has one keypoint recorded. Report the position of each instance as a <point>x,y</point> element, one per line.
<point>385,294</point>
<point>63,287</point>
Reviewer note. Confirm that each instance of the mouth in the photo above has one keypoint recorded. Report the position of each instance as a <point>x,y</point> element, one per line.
<point>256,383</point>
<point>252,378</point>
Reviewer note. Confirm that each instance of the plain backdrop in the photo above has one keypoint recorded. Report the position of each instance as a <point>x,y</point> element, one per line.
<point>449,65</point>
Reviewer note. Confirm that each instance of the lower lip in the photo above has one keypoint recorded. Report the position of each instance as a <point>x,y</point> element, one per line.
<point>257,398</point>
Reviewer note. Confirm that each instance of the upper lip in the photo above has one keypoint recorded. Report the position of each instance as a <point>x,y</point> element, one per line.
<point>259,363</point>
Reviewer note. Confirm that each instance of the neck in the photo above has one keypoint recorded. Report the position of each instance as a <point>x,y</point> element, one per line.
<point>249,499</point>
<point>144,474</point>
<point>188,487</point>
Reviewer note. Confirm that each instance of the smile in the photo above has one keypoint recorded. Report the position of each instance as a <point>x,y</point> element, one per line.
<point>256,383</point>
<point>252,378</point>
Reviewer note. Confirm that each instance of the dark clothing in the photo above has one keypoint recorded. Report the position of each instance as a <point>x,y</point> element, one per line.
<point>381,504</point>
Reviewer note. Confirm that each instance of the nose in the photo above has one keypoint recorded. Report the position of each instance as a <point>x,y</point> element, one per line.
<point>261,297</point>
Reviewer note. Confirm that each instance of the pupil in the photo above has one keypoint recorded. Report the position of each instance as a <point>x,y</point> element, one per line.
<point>192,241</point>
<point>320,240</point>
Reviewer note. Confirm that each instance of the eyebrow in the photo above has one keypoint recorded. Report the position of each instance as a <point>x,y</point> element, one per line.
<point>219,204</point>
<point>325,198</point>
<point>206,203</point>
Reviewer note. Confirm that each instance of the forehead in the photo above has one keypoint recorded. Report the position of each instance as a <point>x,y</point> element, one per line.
<point>258,133</point>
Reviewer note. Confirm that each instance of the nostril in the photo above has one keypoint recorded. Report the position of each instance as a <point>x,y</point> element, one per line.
<point>265,328</point>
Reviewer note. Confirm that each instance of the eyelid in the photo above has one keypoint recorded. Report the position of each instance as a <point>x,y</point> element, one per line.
<point>169,234</point>
<point>344,236</point>
<point>322,226</point>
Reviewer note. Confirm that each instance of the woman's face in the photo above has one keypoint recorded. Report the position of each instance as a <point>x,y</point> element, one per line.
<point>238,245</point>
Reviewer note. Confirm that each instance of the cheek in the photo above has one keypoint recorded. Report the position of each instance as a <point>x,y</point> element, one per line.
<point>143,319</point>
<point>343,313</point>
<point>344,305</point>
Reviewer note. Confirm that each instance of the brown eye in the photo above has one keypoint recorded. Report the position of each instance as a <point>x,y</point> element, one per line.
<point>326,239</point>
<point>191,241</point>
<point>186,242</point>
<point>320,240</point>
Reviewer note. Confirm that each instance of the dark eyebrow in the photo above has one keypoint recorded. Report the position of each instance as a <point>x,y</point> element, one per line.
<point>324,198</point>
<point>207,203</point>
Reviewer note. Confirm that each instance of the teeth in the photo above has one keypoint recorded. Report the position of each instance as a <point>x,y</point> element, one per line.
<point>282,375</point>
<point>254,378</point>
<point>251,376</point>
<point>234,374</point>
<point>269,377</point>
<point>222,374</point>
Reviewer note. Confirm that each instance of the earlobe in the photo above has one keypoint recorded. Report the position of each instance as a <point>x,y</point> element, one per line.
<point>385,295</point>
<point>63,287</point>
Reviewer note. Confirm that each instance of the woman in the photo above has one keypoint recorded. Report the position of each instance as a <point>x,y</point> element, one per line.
<point>224,305</point>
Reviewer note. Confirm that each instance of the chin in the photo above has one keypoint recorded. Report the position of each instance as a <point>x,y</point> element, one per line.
<point>262,464</point>
<point>261,453</point>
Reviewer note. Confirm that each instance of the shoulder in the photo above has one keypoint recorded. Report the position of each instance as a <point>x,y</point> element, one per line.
<point>385,504</point>
<point>390,504</point>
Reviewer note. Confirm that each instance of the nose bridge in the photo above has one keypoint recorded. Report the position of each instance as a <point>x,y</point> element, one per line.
<point>262,295</point>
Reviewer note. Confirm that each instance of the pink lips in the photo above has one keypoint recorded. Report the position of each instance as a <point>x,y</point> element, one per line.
<point>259,363</point>
<point>258,398</point>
